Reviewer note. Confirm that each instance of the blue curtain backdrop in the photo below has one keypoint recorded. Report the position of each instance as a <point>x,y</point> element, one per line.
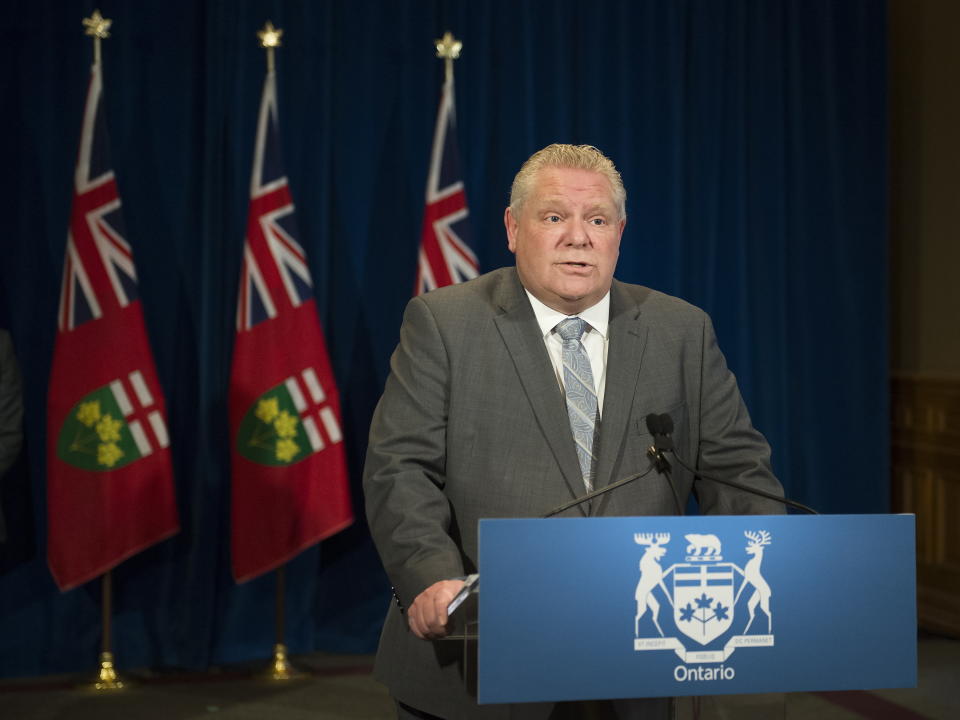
<point>751,137</point>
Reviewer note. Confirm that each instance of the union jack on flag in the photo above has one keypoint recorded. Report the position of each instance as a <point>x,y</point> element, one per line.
<point>445,255</point>
<point>275,273</point>
<point>98,270</point>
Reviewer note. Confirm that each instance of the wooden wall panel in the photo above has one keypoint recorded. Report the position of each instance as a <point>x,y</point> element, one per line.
<point>926,481</point>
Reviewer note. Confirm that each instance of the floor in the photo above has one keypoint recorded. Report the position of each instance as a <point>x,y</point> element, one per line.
<point>339,687</point>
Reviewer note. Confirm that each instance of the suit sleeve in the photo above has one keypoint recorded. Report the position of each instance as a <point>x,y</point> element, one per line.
<point>730,447</point>
<point>11,405</point>
<point>404,473</point>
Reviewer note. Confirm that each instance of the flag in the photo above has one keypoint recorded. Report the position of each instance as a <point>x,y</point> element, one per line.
<point>445,256</point>
<point>290,483</point>
<point>109,476</point>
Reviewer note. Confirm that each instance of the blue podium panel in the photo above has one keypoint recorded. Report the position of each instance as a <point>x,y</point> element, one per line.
<point>588,608</point>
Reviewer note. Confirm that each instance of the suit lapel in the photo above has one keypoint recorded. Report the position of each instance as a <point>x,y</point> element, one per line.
<point>521,334</point>
<point>628,335</point>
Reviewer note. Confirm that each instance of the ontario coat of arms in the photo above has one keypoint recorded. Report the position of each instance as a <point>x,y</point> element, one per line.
<point>704,592</point>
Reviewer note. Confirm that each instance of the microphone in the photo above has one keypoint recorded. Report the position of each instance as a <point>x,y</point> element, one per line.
<point>660,426</point>
<point>666,425</point>
<point>663,441</point>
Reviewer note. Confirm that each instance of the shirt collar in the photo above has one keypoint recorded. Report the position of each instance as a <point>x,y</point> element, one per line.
<point>596,316</point>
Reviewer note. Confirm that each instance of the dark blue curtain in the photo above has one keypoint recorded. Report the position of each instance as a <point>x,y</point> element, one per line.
<point>751,137</point>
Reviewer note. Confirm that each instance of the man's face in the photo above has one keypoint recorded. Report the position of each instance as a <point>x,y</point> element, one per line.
<point>566,238</point>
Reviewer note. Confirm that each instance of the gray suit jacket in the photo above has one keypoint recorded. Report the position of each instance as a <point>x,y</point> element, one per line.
<point>473,424</point>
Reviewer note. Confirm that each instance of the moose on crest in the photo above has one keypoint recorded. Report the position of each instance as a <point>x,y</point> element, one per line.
<point>651,576</point>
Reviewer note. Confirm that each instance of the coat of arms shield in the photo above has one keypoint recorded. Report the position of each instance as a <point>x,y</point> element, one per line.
<point>703,597</point>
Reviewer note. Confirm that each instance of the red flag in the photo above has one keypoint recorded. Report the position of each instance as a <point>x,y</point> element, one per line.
<point>109,478</point>
<point>445,255</point>
<point>290,483</point>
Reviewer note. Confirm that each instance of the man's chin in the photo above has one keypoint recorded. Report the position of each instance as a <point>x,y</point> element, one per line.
<point>572,302</point>
<point>574,292</point>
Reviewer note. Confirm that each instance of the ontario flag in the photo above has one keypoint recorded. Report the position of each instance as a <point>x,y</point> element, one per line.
<point>110,487</point>
<point>290,483</point>
<point>445,256</point>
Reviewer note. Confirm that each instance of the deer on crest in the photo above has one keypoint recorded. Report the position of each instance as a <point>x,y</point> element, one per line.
<point>751,574</point>
<point>651,575</point>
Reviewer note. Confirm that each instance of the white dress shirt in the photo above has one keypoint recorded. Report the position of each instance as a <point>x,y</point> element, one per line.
<point>594,339</point>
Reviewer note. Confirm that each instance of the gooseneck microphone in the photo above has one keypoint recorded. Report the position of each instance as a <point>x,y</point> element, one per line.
<point>661,427</point>
<point>660,463</point>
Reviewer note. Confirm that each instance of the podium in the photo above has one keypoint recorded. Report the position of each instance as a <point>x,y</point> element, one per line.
<point>595,608</point>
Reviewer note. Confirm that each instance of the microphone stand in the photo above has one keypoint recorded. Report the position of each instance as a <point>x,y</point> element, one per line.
<point>663,467</point>
<point>596,493</point>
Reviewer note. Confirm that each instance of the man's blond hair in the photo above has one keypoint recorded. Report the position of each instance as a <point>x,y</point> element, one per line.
<point>575,157</point>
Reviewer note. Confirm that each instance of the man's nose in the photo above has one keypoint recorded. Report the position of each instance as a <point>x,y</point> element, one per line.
<point>577,235</point>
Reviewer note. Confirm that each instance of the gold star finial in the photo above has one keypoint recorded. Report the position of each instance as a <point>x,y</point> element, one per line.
<point>97,26</point>
<point>270,36</point>
<point>448,47</point>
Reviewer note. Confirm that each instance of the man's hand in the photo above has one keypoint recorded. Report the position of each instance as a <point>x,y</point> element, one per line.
<point>428,614</point>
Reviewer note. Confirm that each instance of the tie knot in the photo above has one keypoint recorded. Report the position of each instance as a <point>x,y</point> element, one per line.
<point>571,329</point>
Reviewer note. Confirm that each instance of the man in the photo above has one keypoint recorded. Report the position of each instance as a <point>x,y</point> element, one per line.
<point>475,419</point>
<point>11,413</point>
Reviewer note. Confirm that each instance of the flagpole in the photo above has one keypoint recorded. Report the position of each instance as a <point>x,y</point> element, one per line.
<point>280,668</point>
<point>448,48</point>
<point>107,678</point>
<point>98,27</point>
<point>269,41</point>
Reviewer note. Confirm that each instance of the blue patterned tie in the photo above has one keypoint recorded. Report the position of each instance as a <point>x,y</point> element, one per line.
<point>581,396</point>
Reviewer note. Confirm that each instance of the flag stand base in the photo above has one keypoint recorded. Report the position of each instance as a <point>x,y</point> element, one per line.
<point>281,669</point>
<point>107,679</point>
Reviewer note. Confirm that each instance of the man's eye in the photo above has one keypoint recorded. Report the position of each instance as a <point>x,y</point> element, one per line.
<point>598,221</point>
<point>553,218</point>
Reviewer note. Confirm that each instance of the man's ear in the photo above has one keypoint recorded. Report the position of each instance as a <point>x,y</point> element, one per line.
<point>510,223</point>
